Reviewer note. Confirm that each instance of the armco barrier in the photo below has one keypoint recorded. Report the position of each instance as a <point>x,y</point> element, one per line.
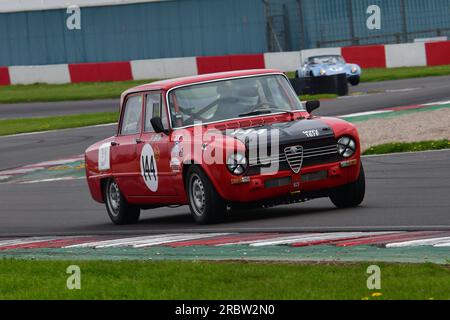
<point>163,68</point>
<point>438,53</point>
<point>4,76</point>
<point>405,55</point>
<point>366,56</point>
<point>230,63</point>
<point>284,61</point>
<point>374,56</point>
<point>99,72</point>
<point>335,84</point>
<point>53,74</point>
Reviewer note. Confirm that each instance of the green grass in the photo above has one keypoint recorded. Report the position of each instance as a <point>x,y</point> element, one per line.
<point>408,147</point>
<point>14,126</point>
<point>25,279</point>
<point>108,90</point>
<point>370,75</point>
<point>310,97</point>
<point>62,92</point>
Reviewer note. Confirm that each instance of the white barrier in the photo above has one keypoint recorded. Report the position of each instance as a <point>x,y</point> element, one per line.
<point>54,74</point>
<point>163,68</point>
<point>405,55</point>
<point>284,61</point>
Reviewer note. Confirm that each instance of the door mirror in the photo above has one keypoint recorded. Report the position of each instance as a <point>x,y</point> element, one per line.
<point>157,125</point>
<point>312,105</point>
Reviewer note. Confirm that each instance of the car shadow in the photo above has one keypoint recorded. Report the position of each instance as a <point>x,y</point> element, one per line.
<point>236,216</point>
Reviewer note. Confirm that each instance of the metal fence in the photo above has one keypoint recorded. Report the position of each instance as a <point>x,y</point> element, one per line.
<point>331,23</point>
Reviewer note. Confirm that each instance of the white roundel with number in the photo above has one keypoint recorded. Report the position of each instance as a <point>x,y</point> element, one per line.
<point>149,169</point>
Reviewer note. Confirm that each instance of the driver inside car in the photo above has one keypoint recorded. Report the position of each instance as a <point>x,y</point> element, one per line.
<point>234,100</point>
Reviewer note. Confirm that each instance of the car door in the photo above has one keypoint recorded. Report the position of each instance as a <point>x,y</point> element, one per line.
<point>124,157</point>
<point>154,152</point>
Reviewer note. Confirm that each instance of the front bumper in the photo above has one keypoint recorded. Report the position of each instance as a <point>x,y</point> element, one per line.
<point>286,183</point>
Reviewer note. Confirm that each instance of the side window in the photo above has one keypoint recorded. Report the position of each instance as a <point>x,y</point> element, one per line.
<point>153,109</point>
<point>131,122</point>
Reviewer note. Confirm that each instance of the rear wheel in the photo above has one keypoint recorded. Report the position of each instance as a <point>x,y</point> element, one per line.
<point>119,210</point>
<point>350,195</point>
<point>205,203</point>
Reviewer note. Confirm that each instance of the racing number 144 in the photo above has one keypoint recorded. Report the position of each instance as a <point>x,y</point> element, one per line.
<point>148,168</point>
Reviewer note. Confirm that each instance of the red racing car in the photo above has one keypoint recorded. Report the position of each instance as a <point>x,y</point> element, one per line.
<point>222,141</point>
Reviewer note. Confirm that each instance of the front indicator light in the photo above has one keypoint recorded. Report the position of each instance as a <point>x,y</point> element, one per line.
<point>240,180</point>
<point>350,163</point>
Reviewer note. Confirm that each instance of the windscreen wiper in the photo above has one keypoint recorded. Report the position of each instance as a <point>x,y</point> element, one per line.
<point>255,113</point>
<point>267,111</point>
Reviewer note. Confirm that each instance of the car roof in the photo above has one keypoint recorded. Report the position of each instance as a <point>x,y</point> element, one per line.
<point>325,55</point>
<point>171,83</point>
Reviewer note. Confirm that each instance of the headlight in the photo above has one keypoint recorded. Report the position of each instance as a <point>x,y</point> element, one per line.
<point>346,147</point>
<point>322,72</point>
<point>237,163</point>
<point>354,69</point>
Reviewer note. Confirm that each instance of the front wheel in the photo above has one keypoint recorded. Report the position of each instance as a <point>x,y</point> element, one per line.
<point>354,81</point>
<point>350,195</point>
<point>119,210</point>
<point>205,203</point>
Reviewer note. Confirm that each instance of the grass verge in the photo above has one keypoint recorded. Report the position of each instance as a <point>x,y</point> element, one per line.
<point>15,126</point>
<point>109,90</point>
<point>397,147</point>
<point>62,92</point>
<point>25,279</point>
<point>311,97</point>
<point>370,75</point>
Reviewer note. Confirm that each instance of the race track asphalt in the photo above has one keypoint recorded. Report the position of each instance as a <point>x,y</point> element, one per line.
<point>370,96</point>
<point>404,192</point>
<point>407,191</point>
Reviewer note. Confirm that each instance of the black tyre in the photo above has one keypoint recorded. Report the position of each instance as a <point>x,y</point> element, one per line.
<point>297,75</point>
<point>119,210</point>
<point>354,81</point>
<point>205,203</point>
<point>350,195</point>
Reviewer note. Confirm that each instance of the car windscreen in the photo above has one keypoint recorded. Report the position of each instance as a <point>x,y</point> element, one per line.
<point>232,98</point>
<point>326,60</point>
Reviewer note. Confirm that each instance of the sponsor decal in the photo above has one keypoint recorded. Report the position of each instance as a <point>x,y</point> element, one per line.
<point>149,168</point>
<point>311,133</point>
<point>157,153</point>
<point>104,157</point>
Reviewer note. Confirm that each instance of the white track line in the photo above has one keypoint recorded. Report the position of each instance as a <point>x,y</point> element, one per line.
<point>57,130</point>
<point>441,103</point>
<point>185,237</point>
<point>417,243</point>
<point>311,237</point>
<point>20,241</point>
<point>442,244</point>
<point>52,180</point>
<point>108,242</point>
<point>367,113</point>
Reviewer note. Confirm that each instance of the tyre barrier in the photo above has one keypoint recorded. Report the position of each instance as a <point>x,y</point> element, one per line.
<point>335,84</point>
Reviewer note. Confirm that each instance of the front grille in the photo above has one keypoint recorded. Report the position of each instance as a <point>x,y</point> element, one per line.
<point>294,157</point>
<point>306,154</point>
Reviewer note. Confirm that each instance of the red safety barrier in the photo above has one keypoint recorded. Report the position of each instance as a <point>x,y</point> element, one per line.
<point>4,76</point>
<point>366,56</point>
<point>98,72</point>
<point>438,53</point>
<point>230,63</point>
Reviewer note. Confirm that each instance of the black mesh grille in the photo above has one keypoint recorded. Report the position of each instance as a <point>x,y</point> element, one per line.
<point>315,152</point>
